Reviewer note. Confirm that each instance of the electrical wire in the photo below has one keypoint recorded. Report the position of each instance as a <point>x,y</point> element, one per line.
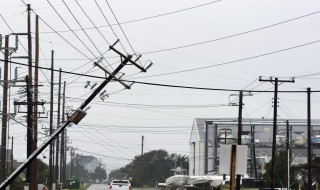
<point>231,36</point>
<point>12,32</point>
<point>108,23</point>
<point>71,29</point>
<point>234,61</point>
<point>169,85</point>
<point>85,134</point>
<point>151,17</point>
<point>103,156</point>
<point>121,27</point>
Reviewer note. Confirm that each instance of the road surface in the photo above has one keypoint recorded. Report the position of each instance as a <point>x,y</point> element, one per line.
<point>98,187</point>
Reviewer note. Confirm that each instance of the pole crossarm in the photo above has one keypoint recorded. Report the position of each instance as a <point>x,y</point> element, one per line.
<point>26,103</point>
<point>273,80</point>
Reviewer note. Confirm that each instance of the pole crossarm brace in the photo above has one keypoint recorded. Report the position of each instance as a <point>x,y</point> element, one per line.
<point>114,77</point>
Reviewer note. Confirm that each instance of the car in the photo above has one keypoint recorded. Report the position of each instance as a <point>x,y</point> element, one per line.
<point>120,185</point>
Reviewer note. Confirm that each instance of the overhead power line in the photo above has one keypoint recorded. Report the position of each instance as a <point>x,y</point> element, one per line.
<point>165,85</point>
<point>233,35</point>
<point>146,18</point>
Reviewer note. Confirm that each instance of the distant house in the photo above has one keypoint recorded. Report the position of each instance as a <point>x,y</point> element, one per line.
<point>89,163</point>
<point>208,134</point>
<point>201,139</point>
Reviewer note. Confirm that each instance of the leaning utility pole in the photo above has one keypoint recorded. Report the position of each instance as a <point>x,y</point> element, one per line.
<point>275,128</point>
<point>78,114</point>
<point>4,111</point>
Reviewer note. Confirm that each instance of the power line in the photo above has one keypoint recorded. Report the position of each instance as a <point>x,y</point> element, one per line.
<point>147,18</point>
<point>234,61</point>
<point>231,36</point>
<point>170,85</point>
<point>71,29</point>
<point>107,22</point>
<point>120,27</point>
<point>104,156</point>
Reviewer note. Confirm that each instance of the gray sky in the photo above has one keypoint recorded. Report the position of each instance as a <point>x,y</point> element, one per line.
<point>209,44</point>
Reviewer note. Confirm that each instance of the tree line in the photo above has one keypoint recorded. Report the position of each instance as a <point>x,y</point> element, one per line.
<point>150,168</point>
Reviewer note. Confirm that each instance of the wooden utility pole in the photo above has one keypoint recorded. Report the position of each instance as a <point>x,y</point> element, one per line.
<point>233,166</point>
<point>5,111</point>
<point>50,179</point>
<point>29,85</point>
<point>33,172</point>
<point>57,180</point>
<point>288,152</point>
<point>142,139</point>
<point>239,132</point>
<point>11,164</point>
<point>71,162</point>
<point>309,138</point>
<point>63,142</point>
<point>275,128</point>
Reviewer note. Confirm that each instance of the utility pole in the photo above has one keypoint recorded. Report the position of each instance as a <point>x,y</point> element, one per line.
<point>71,162</point>
<point>30,98</point>
<point>288,152</point>
<point>63,142</point>
<point>50,179</point>
<point>4,111</point>
<point>57,139</point>
<point>239,132</point>
<point>11,164</point>
<point>33,169</point>
<point>309,138</point>
<point>142,145</point>
<point>275,128</point>
<point>253,158</point>
<point>78,114</point>
<point>29,125</point>
<point>238,180</point>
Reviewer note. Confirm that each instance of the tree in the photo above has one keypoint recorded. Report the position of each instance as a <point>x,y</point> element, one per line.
<point>280,178</point>
<point>150,168</point>
<point>117,174</point>
<point>43,171</point>
<point>99,173</point>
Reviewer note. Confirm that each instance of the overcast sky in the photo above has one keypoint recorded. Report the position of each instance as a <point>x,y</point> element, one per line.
<point>210,44</point>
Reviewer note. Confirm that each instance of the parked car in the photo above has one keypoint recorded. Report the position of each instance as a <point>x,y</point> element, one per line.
<point>120,185</point>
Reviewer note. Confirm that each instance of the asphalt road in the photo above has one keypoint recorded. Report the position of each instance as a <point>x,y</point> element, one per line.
<point>105,187</point>
<point>98,187</point>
